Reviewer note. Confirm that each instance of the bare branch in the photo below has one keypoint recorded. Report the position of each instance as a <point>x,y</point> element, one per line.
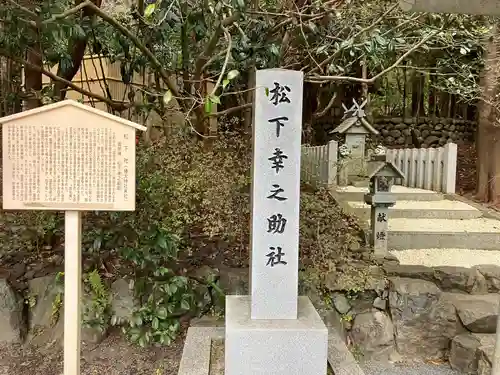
<point>152,58</point>
<point>24,9</point>
<point>327,107</point>
<point>212,44</point>
<point>114,104</point>
<point>231,110</point>
<point>226,60</point>
<point>318,78</point>
<point>361,32</point>
<point>67,13</point>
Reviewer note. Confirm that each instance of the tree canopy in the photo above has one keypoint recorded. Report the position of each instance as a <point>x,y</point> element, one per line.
<point>185,44</point>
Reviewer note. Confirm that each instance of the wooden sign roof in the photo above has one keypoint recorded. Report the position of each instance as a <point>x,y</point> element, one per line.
<point>56,107</point>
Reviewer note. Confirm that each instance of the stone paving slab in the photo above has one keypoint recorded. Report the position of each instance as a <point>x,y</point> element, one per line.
<point>480,225</point>
<point>353,193</point>
<point>196,354</point>
<point>447,257</point>
<point>442,209</point>
<point>481,233</point>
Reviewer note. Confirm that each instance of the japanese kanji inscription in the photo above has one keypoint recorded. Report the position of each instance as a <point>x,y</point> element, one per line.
<point>276,189</point>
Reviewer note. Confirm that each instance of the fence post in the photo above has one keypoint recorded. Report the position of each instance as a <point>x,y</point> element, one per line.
<point>332,155</point>
<point>450,168</point>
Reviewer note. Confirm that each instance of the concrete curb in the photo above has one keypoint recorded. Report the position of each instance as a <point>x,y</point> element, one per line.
<point>403,240</point>
<point>364,213</point>
<point>359,196</point>
<point>487,212</point>
<point>197,347</point>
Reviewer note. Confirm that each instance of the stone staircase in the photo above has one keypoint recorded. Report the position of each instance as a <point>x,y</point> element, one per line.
<point>423,219</point>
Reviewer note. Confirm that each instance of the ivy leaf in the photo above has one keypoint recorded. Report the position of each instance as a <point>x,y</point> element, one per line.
<point>150,9</point>
<point>214,99</point>
<point>232,74</point>
<point>161,242</point>
<point>208,106</point>
<point>79,32</point>
<point>225,83</point>
<point>321,49</point>
<point>162,312</point>
<point>185,305</point>
<point>167,97</point>
<point>155,323</point>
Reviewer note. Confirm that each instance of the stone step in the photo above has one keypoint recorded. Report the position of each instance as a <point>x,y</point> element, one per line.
<point>446,257</point>
<point>478,233</point>
<point>401,193</point>
<point>443,209</point>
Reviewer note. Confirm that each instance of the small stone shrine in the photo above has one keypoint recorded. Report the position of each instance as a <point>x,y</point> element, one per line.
<point>382,174</point>
<point>356,128</point>
<point>273,331</point>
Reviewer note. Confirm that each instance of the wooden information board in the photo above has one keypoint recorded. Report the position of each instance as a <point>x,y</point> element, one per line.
<point>68,156</point>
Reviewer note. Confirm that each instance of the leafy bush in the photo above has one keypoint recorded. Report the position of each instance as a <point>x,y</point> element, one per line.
<point>97,311</point>
<point>186,191</point>
<point>164,296</point>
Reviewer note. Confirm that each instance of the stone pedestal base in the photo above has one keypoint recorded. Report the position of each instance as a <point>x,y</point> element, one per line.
<point>274,347</point>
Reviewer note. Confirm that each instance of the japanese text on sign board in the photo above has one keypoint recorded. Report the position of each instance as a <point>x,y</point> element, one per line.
<point>277,222</point>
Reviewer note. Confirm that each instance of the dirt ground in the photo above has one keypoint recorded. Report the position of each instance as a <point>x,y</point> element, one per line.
<point>114,356</point>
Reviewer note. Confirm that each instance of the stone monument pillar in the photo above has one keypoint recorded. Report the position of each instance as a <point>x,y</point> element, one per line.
<point>273,331</point>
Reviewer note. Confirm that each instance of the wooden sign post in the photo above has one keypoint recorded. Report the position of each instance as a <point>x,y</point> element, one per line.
<point>69,157</point>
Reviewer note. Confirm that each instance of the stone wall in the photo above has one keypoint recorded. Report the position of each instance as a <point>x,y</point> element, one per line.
<point>431,132</point>
<point>386,311</point>
<point>406,312</point>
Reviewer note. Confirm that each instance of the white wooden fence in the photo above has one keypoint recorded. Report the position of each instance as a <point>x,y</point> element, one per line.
<point>319,164</point>
<point>427,168</point>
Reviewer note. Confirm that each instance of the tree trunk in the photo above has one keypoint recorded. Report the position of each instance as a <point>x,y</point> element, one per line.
<point>76,49</point>
<point>444,104</point>
<point>417,95</point>
<point>33,78</point>
<point>488,137</point>
<point>432,95</point>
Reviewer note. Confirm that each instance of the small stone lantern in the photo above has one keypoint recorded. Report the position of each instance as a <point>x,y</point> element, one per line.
<point>381,174</point>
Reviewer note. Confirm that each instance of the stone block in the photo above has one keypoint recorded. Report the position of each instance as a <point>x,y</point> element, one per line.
<point>424,318</point>
<point>277,347</point>
<point>466,351</point>
<point>478,313</point>
<point>374,333</point>
<point>11,318</point>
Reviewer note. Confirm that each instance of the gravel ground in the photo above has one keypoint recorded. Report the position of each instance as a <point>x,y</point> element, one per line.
<point>407,369</point>
<point>479,225</point>
<point>447,257</point>
<point>423,205</point>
